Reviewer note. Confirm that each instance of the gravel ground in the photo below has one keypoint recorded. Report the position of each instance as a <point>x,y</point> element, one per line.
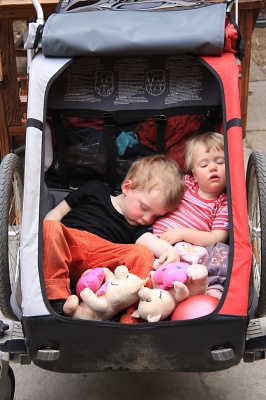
<point>258,51</point>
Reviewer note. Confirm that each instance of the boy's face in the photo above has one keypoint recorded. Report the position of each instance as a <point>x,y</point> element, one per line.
<point>141,207</point>
<point>209,171</point>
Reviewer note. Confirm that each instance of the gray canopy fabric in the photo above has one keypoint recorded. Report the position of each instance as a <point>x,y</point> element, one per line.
<point>114,32</point>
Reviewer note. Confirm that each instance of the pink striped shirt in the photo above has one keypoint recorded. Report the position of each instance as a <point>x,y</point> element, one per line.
<point>195,212</point>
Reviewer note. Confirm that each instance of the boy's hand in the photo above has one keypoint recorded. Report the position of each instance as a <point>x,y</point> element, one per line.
<point>172,236</point>
<point>162,250</point>
<point>169,256</point>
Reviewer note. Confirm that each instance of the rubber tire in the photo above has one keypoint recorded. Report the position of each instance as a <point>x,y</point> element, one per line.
<point>261,20</point>
<point>11,200</point>
<point>7,384</point>
<point>261,23</point>
<point>256,201</point>
<point>12,384</point>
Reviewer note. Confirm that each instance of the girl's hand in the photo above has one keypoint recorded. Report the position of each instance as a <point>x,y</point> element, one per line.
<point>172,236</point>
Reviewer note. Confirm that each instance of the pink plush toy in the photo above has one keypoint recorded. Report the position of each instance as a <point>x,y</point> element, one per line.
<point>191,253</point>
<point>92,279</point>
<point>167,274</point>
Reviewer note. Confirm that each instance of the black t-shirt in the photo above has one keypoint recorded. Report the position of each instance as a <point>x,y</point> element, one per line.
<point>93,211</point>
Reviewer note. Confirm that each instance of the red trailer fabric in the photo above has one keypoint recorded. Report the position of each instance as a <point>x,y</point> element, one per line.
<point>236,301</point>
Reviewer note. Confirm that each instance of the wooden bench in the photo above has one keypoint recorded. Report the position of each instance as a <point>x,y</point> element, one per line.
<point>12,105</point>
<point>13,92</point>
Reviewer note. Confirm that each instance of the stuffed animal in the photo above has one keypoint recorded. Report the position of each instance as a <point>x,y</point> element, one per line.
<point>120,291</point>
<point>92,279</point>
<point>191,253</point>
<point>157,304</point>
<point>167,274</point>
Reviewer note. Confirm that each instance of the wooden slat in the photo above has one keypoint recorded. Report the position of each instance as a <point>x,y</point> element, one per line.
<point>247,22</point>
<point>4,137</point>
<point>9,70</point>
<point>24,9</point>
<point>18,130</point>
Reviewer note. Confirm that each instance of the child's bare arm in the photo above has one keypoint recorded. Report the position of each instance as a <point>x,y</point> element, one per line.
<point>58,212</point>
<point>160,248</point>
<point>198,238</point>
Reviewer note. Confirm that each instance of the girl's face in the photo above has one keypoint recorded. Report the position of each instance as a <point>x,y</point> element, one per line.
<point>209,171</point>
<point>141,207</point>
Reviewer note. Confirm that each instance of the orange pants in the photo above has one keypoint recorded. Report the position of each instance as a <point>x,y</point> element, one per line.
<point>68,252</point>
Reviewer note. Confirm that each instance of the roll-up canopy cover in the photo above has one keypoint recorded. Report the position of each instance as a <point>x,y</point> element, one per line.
<point>130,31</point>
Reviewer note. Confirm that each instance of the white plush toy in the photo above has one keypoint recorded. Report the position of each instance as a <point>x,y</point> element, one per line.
<point>120,291</point>
<point>157,304</point>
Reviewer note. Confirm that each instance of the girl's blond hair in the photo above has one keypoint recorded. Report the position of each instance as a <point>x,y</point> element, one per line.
<point>158,172</point>
<point>210,140</point>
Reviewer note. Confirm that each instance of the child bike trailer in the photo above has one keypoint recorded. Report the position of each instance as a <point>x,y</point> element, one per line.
<point>99,70</point>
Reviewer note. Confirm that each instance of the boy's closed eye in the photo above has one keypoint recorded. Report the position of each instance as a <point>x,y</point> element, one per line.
<point>143,207</point>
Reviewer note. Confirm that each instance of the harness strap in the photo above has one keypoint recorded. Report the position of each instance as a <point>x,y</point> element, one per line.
<point>35,123</point>
<point>161,122</point>
<point>233,122</point>
<point>61,151</point>
<point>109,123</point>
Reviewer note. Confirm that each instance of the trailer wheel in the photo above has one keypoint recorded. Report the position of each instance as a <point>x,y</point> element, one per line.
<point>7,381</point>
<point>256,199</point>
<point>11,199</point>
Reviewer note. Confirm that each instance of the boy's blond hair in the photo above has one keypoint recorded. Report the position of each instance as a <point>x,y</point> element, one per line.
<point>210,140</point>
<point>160,172</point>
